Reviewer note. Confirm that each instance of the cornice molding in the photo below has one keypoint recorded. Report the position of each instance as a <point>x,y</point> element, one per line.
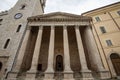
<point>103,9</point>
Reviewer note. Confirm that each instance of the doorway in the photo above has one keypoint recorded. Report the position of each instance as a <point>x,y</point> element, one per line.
<point>39,67</point>
<point>59,63</point>
<point>115,58</point>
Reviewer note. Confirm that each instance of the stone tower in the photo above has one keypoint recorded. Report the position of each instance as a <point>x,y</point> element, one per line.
<point>12,29</point>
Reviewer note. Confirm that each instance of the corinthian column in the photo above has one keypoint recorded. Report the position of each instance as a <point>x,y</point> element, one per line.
<point>92,47</point>
<point>84,69</point>
<point>66,51</point>
<point>49,73</point>
<point>21,54</point>
<point>67,69</point>
<point>33,70</point>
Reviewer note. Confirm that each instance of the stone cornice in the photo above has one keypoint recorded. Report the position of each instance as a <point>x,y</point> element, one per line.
<point>57,13</point>
<point>57,20</point>
<point>3,13</point>
<point>103,9</point>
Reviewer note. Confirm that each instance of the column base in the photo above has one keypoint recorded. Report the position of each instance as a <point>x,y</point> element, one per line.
<point>68,79</point>
<point>31,75</point>
<point>104,74</point>
<point>118,77</point>
<point>12,75</point>
<point>86,75</point>
<point>68,75</point>
<point>49,76</point>
<point>49,79</point>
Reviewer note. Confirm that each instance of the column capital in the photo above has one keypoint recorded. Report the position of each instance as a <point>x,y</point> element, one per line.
<point>89,27</point>
<point>52,27</point>
<point>65,26</point>
<point>28,27</point>
<point>77,26</point>
<point>40,27</point>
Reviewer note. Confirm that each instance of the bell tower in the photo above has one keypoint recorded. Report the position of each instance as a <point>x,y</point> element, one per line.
<point>13,29</point>
<point>29,7</point>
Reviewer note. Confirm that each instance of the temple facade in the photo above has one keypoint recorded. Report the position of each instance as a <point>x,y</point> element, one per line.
<point>59,45</point>
<point>53,46</point>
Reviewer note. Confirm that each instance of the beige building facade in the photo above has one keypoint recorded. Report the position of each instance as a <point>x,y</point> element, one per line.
<point>106,30</point>
<point>56,46</point>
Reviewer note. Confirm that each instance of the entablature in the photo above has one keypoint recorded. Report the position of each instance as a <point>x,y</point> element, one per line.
<point>59,17</point>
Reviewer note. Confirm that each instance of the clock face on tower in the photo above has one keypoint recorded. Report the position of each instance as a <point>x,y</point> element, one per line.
<point>18,15</point>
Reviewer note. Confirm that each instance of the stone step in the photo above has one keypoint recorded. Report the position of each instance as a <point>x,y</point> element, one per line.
<point>54,79</point>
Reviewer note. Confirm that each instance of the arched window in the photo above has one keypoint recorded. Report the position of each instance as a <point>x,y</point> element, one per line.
<point>59,63</point>
<point>0,66</point>
<point>18,29</point>
<point>115,58</point>
<point>6,44</point>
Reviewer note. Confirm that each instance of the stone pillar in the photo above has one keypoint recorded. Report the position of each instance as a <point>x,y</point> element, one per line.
<point>33,70</point>
<point>84,69</point>
<point>49,73</point>
<point>68,73</point>
<point>92,47</point>
<point>16,69</point>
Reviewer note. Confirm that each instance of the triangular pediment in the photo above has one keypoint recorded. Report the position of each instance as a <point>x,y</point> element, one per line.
<point>58,15</point>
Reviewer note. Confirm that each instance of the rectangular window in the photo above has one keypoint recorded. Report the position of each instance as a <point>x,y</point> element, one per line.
<point>1,21</point>
<point>109,43</point>
<point>118,12</point>
<point>102,28</point>
<point>97,19</point>
<point>18,29</point>
<point>6,44</point>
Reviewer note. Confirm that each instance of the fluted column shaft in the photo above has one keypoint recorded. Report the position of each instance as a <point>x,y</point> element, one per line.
<point>93,47</point>
<point>66,50</point>
<point>51,51</point>
<point>81,49</point>
<point>22,51</point>
<point>85,72</point>
<point>36,51</point>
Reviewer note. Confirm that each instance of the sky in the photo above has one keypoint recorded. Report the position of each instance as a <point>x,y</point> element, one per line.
<point>70,6</point>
